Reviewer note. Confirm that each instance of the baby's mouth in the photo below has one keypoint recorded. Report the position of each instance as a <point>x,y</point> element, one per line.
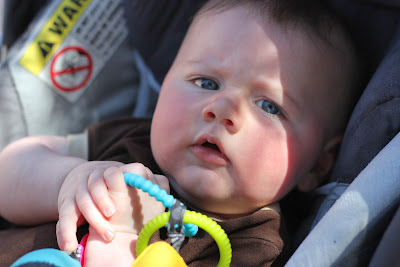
<point>212,146</point>
<point>210,152</point>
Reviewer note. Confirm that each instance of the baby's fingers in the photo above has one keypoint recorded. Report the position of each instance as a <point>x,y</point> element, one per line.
<point>140,170</point>
<point>92,214</point>
<point>99,192</point>
<point>114,179</point>
<point>163,182</point>
<point>66,227</point>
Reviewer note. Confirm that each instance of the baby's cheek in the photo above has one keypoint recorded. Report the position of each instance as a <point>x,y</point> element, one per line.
<point>269,174</point>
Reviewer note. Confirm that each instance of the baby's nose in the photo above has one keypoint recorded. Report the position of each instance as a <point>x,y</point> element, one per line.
<point>225,110</point>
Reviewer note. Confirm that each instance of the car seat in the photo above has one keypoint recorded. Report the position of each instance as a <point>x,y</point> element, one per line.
<point>359,215</point>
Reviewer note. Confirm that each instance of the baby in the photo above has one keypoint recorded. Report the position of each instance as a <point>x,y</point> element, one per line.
<point>254,105</point>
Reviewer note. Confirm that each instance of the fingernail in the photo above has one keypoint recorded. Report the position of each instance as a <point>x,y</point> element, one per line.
<point>110,211</point>
<point>109,235</point>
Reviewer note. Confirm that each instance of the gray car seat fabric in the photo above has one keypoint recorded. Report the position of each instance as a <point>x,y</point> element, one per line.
<point>376,117</point>
<point>2,6</point>
<point>372,24</point>
<point>349,232</point>
<point>18,16</point>
<point>386,253</point>
<point>164,24</point>
<point>375,24</point>
<point>356,228</point>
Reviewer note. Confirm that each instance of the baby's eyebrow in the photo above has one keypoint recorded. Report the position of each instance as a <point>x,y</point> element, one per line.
<point>210,64</point>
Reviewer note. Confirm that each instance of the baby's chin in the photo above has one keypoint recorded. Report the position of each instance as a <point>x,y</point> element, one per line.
<point>212,206</point>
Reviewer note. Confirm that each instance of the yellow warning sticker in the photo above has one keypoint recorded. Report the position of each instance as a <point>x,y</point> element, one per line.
<point>53,34</point>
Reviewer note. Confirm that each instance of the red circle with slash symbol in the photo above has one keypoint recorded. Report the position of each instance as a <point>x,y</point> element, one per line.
<point>71,69</point>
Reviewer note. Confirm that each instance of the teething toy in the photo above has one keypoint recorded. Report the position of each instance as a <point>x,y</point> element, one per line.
<point>179,221</point>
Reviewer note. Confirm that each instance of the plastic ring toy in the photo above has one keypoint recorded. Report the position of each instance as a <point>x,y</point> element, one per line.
<point>190,218</point>
<point>193,217</point>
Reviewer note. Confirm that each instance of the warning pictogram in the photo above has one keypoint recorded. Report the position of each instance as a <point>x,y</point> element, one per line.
<point>71,69</point>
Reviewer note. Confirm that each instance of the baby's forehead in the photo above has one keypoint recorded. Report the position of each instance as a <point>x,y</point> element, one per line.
<point>295,29</point>
<point>288,39</point>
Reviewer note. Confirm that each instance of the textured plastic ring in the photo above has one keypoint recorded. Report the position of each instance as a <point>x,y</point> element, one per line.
<point>204,222</point>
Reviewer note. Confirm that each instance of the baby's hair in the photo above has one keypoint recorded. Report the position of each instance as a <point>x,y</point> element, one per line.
<point>312,15</point>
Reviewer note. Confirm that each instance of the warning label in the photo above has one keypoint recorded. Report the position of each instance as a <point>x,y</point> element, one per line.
<point>74,43</point>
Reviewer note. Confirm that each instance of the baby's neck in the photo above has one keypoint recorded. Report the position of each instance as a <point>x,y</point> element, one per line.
<point>225,217</point>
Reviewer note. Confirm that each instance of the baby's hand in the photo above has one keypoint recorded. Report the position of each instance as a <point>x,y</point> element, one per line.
<point>76,206</point>
<point>96,192</point>
<point>133,207</point>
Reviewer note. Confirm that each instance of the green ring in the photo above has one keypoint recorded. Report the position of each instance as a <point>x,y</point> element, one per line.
<point>193,217</point>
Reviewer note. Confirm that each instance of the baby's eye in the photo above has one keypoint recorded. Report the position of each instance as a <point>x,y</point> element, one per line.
<point>206,84</point>
<point>269,107</point>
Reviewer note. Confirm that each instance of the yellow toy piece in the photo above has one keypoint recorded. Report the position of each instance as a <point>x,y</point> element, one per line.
<point>159,254</point>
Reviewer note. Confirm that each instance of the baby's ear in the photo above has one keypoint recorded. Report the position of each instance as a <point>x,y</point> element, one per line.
<point>322,167</point>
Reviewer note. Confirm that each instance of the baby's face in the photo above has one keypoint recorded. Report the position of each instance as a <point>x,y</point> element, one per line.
<point>240,117</point>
